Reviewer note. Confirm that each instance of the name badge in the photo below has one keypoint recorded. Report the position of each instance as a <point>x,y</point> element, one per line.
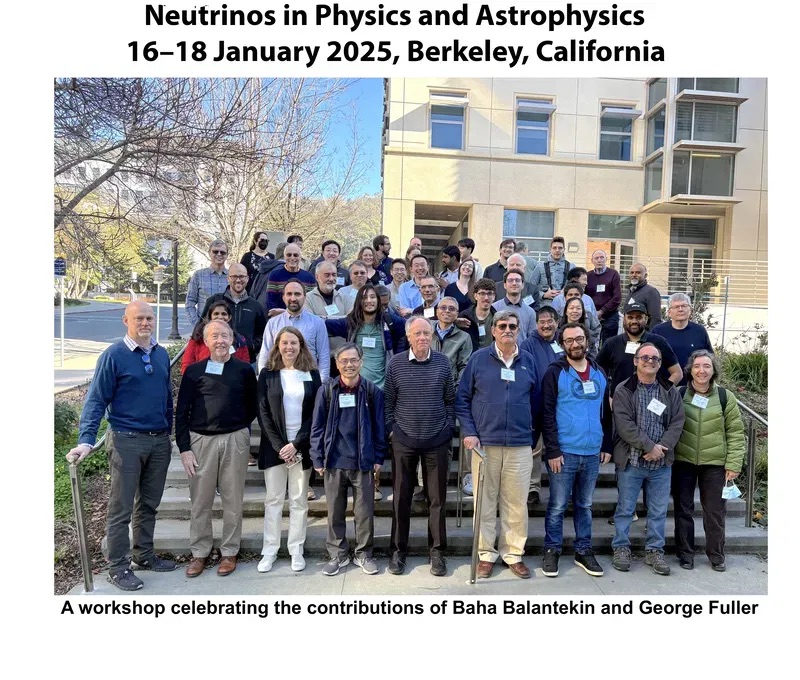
<point>347,400</point>
<point>428,313</point>
<point>481,331</point>
<point>368,342</point>
<point>588,387</point>
<point>214,367</point>
<point>601,287</point>
<point>656,406</point>
<point>231,350</point>
<point>330,310</point>
<point>305,376</point>
<point>700,401</point>
<point>528,299</point>
<point>556,347</point>
<point>340,280</point>
<point>507,374</point>
<point>631,347</point>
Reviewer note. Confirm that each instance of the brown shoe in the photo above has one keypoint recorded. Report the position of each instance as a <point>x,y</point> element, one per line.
<point>196,566</point>
<point>519,569</point>
<point>227,565</point>
<point>485,569</point>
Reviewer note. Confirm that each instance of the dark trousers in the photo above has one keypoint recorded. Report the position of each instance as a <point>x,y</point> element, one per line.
<point>609,326</point>
<point>139,463</point>
<point>435,466</point>
<point>711,479</point>
<point>336,484</point>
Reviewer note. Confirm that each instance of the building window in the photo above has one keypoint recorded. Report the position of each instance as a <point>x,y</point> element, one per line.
<point>534,227</point>
<point>612,227</point>
<point>652,179</point>
<point>705,122</point>
<point>692,230</point>
<point>691,251</point>
<point>616,132</point>
<point>703,174</point>
<point>709,84</point>
<point>533,126</point>
<point>655,130</point>
<point>656,91</point>
<point>447,120</point>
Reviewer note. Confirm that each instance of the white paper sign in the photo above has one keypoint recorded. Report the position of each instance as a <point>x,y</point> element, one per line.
<point>700,401</point>
<point>507,374</point>
<point>368,342</point>
<point>631,347</point>
<point>330,310</point>
<point>601,287</point>
<point>347,400</point>
<point>656,406</point>
<point>428,313</point>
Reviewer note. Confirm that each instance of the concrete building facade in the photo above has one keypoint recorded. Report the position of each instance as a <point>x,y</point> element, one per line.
<point>669,171</point>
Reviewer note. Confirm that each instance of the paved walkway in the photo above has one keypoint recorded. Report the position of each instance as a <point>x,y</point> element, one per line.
<point>746,575</point>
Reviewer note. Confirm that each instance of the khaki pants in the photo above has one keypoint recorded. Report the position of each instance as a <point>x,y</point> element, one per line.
<point>507,472</point>
<point>536,471</point>
<point>223,465</point>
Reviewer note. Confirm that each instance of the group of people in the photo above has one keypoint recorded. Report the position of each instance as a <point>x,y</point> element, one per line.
<point>342,368</point>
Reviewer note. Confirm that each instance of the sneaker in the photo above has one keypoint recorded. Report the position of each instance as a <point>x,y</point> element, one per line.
<point>367,564</point>
<point>378,494</point>
<point>155,563</point>
<point>125,580</point>
<point>589,563</point>
<point>467,484</point>
<point>438,565</point>
<point>655,559</point>
<point>635,519</point>
<point>622,559</point>
<point>550,562</point>
<point>311,495</point>
<point>397,564</point>
<point>298,562</point>
<point>333,566</point>
<point>266,563</point>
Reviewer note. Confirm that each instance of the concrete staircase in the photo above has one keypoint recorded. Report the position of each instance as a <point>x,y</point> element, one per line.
<point>172,527</point>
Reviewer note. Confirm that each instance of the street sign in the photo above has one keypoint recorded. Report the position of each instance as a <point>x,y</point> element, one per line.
<point>60,267</point>
<point>165,254</point>
<point>158,275</point>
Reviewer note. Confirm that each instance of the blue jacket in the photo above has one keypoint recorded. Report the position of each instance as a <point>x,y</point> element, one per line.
<point>572,421</point>
<point>370,435</point>
<point>542,351</point>
<point>499,412</point>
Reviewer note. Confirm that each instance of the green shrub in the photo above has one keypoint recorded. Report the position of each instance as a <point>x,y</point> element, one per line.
<point>66,417</point>
<point>95,463</point>
<point>748,370</point>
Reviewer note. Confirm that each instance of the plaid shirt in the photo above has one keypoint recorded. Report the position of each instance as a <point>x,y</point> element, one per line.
<point>203,284</point>
<point>648,421</point>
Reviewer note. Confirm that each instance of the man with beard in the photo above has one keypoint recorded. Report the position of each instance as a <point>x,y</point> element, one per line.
<point>642,292</point>
<point>574,390</point>
<point>325,301</point>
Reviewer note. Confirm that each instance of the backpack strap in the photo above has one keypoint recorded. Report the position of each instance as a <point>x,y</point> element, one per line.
<point>723,399</point>
<point>547,273</point>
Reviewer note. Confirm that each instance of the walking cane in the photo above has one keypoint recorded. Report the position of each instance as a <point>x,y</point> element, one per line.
<point>83,544</point>
<point>460,509</point>
<point>476,520</point>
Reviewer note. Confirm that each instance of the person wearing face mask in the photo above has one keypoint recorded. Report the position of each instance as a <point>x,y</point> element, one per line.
<point>253,258</point>
<point>642,292</point>
<point>216,405</point>
<point>604,287</point>
<point>196,348</point>
<point>574,312</point>
<point>207,281</point>
<point>708,454</point>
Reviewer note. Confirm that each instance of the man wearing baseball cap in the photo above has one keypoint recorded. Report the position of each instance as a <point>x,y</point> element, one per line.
<point>616,355</point>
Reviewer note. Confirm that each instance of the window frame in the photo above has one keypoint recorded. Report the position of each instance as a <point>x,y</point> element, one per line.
<point>617,112</point>
<point>703,154</point>
<point>692,131</point>
<point>531,104</point>
<point>453,100</point>
<point>531,239</point>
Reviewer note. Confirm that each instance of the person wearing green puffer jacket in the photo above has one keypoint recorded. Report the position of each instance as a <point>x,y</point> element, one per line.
<point>709,453</point>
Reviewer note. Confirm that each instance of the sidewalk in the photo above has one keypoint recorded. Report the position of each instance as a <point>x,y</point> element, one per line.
<point>80,358</point>
<point>91,307</point>
<point>746,575</point>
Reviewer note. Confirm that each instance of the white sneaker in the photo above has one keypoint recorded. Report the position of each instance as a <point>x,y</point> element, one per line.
<point>378,494</point>
<point>266,563</point>
<point>467,484</point>
<point>298,562</point>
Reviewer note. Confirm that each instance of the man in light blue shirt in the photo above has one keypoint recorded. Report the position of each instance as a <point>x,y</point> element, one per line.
<point>513,281</point>
<point>409,297</point>
<point>312,328</point>
<point>208,281</point>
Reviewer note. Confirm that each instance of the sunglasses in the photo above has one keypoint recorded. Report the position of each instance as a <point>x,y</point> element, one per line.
<point>148,367</point>
<point>238,277</point>
<point>507,326</point>
<point>647,357</point>
<point>219,252</point>
<point>448,309</point>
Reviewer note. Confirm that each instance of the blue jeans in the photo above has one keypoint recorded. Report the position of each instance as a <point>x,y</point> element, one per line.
<point>629,483</point>
<point>577,479</point>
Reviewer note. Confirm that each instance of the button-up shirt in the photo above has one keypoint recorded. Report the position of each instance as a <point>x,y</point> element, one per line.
<point>409,295</point>
<point>203,284</point>
<point>526,316</point>
<point>500,355</point>
<point>314,333</point>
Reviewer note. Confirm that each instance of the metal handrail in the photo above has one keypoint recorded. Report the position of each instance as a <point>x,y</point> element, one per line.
<point>77,501</point>
<point>753,417</point>
<point>750,412</point>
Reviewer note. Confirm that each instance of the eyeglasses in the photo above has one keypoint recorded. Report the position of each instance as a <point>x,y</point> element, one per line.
<point>447,308</point>
<point>148,367</point>
<point>237,277</point>
<point>647,357</point>
<point>219,252</point>
<point>569,342</point>
<point>288,255</point>
<point>348,362</point>
<point>507,326</point>
<point>486,293</point>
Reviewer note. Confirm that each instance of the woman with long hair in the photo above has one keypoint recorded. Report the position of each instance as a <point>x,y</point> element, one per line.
<point>256,255</point>
<point>374,276</point>
<point>196,349</point>
<point>287,388</point>
<point>709,454</point>
<point>462,289</point>
<point>575,311</point>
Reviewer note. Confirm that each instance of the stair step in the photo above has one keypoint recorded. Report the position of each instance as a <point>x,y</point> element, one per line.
<point>175,504</point>
<point>172,536</point>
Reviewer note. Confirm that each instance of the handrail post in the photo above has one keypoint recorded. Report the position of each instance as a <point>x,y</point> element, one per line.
<point>459,509</point>
<point>476,520</point>
<point>83,543</point>
<point>751,472</point>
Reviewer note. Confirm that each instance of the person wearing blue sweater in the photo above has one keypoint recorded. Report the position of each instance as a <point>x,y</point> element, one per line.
<point>132,381</point>
<point>498,406</point>
<point>576,426</point>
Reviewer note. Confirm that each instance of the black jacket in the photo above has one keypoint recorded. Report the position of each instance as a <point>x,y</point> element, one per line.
<point>248,319</point>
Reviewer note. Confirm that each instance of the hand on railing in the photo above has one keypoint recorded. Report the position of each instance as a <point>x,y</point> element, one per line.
<point>471,443</point>
<point>77,454</point>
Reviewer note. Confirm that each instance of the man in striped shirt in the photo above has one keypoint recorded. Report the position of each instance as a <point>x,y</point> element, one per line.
<point>420,400</point>
<point>208,281</point>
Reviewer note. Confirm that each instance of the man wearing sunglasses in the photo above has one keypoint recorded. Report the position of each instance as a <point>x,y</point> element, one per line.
<point>208,281</point>
<point>132,381</point>
<point>648,421</point>
<point>289,270</point>
<point>498,407</point>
